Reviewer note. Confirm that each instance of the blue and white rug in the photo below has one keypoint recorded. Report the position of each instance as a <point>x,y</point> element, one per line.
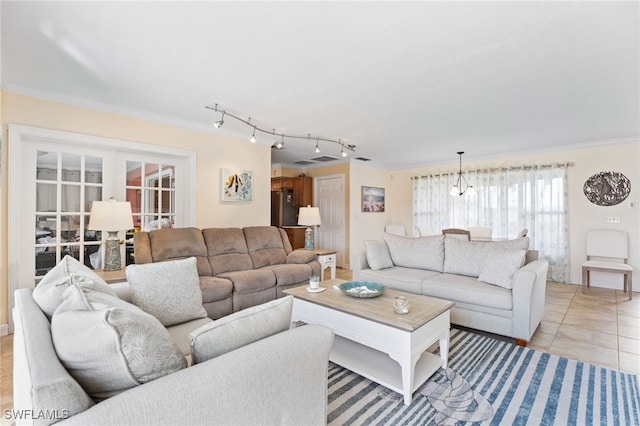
<point>495,383</point>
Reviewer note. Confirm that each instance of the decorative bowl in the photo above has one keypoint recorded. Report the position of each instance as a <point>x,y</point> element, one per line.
<point>361,289</point>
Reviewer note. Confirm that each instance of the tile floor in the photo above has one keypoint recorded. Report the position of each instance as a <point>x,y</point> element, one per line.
<point>601,327</point>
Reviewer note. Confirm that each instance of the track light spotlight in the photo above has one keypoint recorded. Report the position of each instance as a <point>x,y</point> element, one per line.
<point>253,136</point>
<point>317,147</point>
<point>220,122</point>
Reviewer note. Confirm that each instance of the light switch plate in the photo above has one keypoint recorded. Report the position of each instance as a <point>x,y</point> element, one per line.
<point>612,219</point>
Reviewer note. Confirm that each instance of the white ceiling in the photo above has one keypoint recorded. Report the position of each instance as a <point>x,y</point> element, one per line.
<point>408,83</point>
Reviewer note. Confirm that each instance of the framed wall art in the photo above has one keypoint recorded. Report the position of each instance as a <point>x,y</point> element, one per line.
<point>607,188</point>
<point>372,199</point>
<point>236,185</point>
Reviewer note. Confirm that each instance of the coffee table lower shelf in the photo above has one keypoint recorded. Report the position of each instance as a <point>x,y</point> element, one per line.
<point>379,367</point>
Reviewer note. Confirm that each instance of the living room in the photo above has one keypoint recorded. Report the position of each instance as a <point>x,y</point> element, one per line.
<point>23,110</point>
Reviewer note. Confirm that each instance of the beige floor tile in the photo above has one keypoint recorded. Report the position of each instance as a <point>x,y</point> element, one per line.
<point>627,320</point>
<point>598,293</point>
<point>585,352</point>
<point>628,345</point>
<point>540,341</point>
<point>583,335</point>
<point>547,327</point>
<point>594,305</point>
<point>629,307</point>
<point>553,316</point>
<point>630,363</point>
<point>602,323</point>
<point>629,331</point>
<point>555,307</point>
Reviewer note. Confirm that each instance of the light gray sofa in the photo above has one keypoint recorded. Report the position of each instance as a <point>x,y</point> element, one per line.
<point>280,379</point>
<point>498,287</point>
<point>238,267</point>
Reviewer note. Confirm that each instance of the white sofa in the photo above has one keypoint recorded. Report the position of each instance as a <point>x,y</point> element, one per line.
<point>498,287</point>
<point>276,378</point>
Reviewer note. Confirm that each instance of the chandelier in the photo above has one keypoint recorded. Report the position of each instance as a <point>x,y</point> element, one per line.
<point>462,186</point>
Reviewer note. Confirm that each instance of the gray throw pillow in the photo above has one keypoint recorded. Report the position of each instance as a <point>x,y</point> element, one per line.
<point>378,256</point>
<point>170,291</point>
<point>48,292</point>
<point>468,257</point>
<point>240,329</point>
<point>500,265</point>
<point>109,345</point>
<point>421,252</point>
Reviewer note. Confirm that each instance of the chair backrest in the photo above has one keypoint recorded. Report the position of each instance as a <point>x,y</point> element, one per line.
<point>462,234</point>
<point>608,243</point>
<point>395,229</point>
<point>480,232</point>
<point>523,233</point>
<point>423,231</point>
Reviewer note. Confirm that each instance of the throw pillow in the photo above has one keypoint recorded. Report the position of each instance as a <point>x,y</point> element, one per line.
<point>48,292</point>
<point>170,291</point>
<point>500,265</point>
<point>109,345</point>
<point>378,256</point>
<point>464,257</point>
<point>240,329</point>
<point>422,252</point>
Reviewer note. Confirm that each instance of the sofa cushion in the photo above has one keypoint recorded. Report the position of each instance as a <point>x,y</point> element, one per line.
<point>251,280</point>
<point>404,279</point>
<point>291,273</point>
<point>467,257</point>
<point>240,329</point>
<point>180,335</point>
<point>170,291</point>
<point>180,243</point>
<point>420,252</point>
<point>48,292</point>
<point>457,288</point>
<point>301,256</point>
<point>227,250</point>
<point>378,256</point>
<point>109,345</point>
<point>500,265</point>
<point>215,288</point>
<point>265,245</point>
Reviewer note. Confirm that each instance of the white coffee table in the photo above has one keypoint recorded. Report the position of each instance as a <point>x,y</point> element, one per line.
<point>375,342</point>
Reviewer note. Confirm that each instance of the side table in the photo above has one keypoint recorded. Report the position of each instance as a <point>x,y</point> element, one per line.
<point>327,259</point>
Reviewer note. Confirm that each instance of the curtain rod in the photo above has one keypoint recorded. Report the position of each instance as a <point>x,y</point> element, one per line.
<point>501,169</point>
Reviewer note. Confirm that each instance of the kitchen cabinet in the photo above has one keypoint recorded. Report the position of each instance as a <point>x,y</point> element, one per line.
<point>302,195</point>
<point>281,183</point>
<point>296,235</point>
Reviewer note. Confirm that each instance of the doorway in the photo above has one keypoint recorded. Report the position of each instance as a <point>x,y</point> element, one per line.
<point>329,197</point>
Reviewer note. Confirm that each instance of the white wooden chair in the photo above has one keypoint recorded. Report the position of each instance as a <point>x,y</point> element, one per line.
<point>462,234</point>
<point>611,248</point>
<point>480,233</point>
<point>423,231</point>
<point>395,229</point>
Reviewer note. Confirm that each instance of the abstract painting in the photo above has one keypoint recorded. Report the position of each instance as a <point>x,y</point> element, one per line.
<point>237,185</point>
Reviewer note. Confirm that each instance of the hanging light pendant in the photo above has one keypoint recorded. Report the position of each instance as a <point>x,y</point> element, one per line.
<point>462,186</point>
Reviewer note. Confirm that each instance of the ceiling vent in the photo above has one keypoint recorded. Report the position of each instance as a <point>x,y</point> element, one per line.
<point>324,158</point>
<point>363,159</point>
<point>303,162</point>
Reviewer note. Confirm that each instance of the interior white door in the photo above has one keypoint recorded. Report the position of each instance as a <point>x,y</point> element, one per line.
<point>329,197</point>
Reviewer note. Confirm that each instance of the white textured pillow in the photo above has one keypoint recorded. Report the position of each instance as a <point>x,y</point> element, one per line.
<point>378,256</point>
<point>109,345</point>
<point>420,252</point>
<point>467,257</point>
<point>240,329</point>
<point>48,292</point>
<point>170,291</point>
<point>500,265</point>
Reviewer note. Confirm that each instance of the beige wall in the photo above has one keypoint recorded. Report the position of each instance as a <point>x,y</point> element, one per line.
<point>212,152</point>
<point>583,215</point>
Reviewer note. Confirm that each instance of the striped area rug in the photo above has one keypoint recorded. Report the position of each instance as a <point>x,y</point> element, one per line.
<point>492,382</point>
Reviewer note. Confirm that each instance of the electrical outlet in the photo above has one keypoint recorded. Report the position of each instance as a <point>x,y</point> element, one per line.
<point>612,219</point>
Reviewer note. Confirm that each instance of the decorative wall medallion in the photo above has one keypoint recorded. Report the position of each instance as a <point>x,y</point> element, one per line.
<point>607,188</point>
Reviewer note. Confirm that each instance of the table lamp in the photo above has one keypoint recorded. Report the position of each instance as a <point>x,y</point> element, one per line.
<point>309,216</point>
<point>111,216</point>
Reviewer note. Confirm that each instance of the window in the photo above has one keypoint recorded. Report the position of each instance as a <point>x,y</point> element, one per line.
<point>508,201</point>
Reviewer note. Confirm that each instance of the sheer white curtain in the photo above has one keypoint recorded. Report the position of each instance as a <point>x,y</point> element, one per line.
<point>507,200</point>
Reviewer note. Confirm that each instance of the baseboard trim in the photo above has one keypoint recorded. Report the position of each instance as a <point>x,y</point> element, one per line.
<point>4,329</point>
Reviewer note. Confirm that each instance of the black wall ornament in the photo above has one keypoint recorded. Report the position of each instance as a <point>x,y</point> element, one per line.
<point>607,188</point>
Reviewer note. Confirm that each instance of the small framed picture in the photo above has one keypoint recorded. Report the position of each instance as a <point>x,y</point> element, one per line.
<point>236,185</point>
<point>372,199</point>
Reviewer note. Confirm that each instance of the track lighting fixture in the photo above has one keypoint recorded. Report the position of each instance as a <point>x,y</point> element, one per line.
<point>462,186</point>
<point>220,122</point>
<point>344,148</point>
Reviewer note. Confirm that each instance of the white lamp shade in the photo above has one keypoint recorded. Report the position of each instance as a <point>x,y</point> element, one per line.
<point>110,215</point>
<point>309,216</point>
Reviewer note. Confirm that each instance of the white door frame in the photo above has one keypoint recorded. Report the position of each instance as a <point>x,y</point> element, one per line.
<point>20,134</point>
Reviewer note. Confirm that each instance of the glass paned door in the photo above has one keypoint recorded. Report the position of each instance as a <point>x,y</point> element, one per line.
<point>65,186</point>
<point>151,190</point>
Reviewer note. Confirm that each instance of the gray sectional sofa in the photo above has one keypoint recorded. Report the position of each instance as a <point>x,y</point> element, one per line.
<point>84,355</point>
<point>497,286</point>
<point>238,267</point>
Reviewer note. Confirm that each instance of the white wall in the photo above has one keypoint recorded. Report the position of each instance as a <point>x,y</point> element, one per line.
<point>583,215</point>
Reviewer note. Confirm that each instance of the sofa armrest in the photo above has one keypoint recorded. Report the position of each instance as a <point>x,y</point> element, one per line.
<point>529,286</point>
<point>358,262</point>
<point>142,247</point>
<point>278,380</point>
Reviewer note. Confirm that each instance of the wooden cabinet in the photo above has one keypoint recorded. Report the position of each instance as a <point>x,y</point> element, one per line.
<point>296,236</point>
<point>280,183</point>
<point>302,187</point>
